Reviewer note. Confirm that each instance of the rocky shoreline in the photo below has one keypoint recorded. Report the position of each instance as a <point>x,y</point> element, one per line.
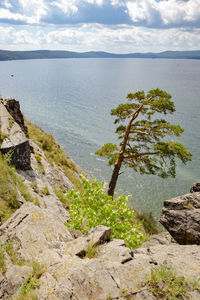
<point>62,263</point>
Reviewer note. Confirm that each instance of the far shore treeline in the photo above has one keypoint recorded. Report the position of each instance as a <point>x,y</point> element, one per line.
<point>45,54</point>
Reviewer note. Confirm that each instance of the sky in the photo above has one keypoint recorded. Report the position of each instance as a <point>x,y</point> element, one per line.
<point>117,26</point>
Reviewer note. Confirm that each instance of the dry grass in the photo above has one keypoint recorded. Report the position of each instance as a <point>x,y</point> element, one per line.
<point>54,153</point>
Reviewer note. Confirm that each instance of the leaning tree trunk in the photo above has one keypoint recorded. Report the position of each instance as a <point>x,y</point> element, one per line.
<point>115,173</point>
<point>114,177</point>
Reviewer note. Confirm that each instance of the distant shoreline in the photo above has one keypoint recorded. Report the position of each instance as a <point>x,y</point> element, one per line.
<point>6,55</point>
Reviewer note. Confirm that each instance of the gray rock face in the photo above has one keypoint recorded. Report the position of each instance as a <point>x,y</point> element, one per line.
<point>181,217</point>
<point>15,141</point>
<point>13,108</point>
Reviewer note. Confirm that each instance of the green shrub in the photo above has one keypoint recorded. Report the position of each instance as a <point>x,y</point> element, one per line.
<point>92,206</point>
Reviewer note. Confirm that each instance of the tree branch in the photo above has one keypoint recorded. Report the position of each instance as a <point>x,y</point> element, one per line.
<point>141,154</point>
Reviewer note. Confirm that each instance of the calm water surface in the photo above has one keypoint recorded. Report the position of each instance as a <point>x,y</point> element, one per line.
<point>72,98</point>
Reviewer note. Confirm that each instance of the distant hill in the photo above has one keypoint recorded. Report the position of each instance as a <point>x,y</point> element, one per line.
<point>44,54</point>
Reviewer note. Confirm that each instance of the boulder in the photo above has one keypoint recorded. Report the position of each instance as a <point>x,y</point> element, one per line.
<point>181,217</point>
<point>195,187</point>
<point>38,233</point>
<point>96,236</point>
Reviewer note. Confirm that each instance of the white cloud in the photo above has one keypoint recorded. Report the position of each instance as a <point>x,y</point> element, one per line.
<point>7,15</point>
<point>69,7</point>
<point>175,16</point>
<point>170,11</point>
<point>31,11</point>
<point>98,2</point>
<point>140,10</point>
<point>7,4</point>
<point>35,9</point>
<point>174,11</point>
<point>150,13</point>
<point>123,39</point>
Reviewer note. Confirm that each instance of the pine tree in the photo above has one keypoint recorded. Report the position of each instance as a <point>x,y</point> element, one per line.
<point>143,145</point>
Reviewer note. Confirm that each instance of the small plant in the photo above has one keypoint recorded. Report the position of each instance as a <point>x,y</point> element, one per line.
<point>62,197</point>
<point>32,281</point>
<point>11,122</point>
<point>165,284</point>
<point>2,259</point>
<point>31,295</point>
<point>35,187</point>
<point>92,251</point>
<point>92,206</point>
<point>195,284</point>
<point>2,135</point>
<point>45,190</point>
<point>11,250</point>
<point>148,222</point>
<point>8,156</point>
<point>39,161</point>
<point>126,294</point>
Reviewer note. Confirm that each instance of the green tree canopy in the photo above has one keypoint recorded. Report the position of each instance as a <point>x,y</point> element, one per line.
<point>143,145</point>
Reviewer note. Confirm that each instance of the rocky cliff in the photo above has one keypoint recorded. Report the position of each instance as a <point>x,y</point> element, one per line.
<point>41,258</point>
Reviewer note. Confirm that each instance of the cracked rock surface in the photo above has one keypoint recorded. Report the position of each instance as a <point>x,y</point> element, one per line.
<point>70,274</point>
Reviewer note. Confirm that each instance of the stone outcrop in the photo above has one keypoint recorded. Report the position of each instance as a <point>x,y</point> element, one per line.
<point>14,141</point>
<point>181,217</point>
<point>13,107</point>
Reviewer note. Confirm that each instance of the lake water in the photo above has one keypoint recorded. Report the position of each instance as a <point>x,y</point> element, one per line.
<point>72,99</point>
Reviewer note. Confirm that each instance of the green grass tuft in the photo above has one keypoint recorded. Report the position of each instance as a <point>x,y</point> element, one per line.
<point>11,249</point>
<point>44,191</point>
<point>165,284</point>
<point>39,161</point>
<point>62,197</point>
